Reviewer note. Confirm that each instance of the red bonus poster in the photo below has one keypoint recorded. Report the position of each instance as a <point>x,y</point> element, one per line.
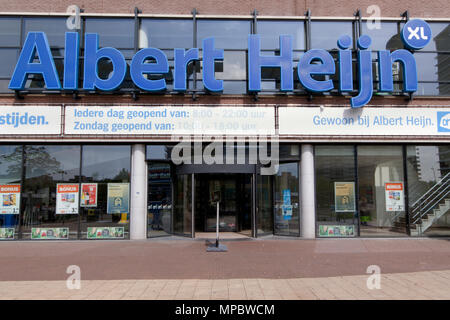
<point>88,195</point>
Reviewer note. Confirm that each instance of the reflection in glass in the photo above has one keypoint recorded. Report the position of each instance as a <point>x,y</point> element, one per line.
<point>233,66</point>
<point>9,31</point>
<point>228,34</point>
<point>333,164</point>
<point>103,165</point>
<point>433,66</point>
<point>270,32</point>
<point>8,57</point>
<point>54,28</point>
<point>159,199</point>
<point>113,32</point>
<point>441,34</point>
<point>10,173</point>
<point>233,191</point>
<point>378,166</point>
<point>287,205</point>
<point>182,214</point>
<point>158,152</point>
<point>428,170</point>
<point>324,34</point>
<point>264,212</point>
<point>166,34</point>
<point>385,38</point>
<point>45,167</point>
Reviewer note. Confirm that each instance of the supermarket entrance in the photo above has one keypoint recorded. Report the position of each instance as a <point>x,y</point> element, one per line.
<point>234,193</point>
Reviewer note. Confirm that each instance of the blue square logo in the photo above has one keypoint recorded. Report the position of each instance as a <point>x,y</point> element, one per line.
<point>443,121</point>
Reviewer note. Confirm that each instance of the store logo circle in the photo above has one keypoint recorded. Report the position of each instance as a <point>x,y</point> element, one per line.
<point>416,34</point>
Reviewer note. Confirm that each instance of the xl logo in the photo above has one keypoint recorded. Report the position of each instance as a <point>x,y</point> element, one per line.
<point>416,34</point>
<point>443,120</point>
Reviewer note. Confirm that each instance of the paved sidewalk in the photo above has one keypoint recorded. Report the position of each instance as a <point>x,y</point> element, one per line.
<point>409,286</point>
<point>188,259</point>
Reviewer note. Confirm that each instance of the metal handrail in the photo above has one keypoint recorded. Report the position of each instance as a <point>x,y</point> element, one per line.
<point>438,195</point>
<point>431,189</point>
<point>431,202</point>
<point>423,213</point>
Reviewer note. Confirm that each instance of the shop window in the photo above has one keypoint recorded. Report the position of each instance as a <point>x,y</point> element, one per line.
<point>46,167</point>
<point>428,170</point>
<point>107,169</point>
<point>335,190</point>
<point>10,177</point>
<point>381,191</point>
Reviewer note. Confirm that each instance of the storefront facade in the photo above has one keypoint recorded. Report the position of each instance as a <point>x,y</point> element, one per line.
<point>133,125</point>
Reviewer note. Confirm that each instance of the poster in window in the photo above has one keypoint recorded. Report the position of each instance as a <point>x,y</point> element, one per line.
<point>105,232</point>
<point>344,196</point>
<point>67,198</point>
<point>6,233</point>
<point>286,207</point>
<point>10,199</point>
<point>88,195</point>
<point>118,194</point>
<point>49,233</point>
<point>395,200</point>
<point>336,230</point>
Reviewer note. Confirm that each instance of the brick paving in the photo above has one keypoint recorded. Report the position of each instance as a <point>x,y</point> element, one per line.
<point>410,286</point>
<point>254,269</point>
<point>188,259</point>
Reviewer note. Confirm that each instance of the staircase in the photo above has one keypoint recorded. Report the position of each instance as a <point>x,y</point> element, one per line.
<point>432,205</point>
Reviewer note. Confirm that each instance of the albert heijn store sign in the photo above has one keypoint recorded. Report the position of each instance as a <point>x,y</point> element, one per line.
<point>103,121</point>
<point>415,35</point>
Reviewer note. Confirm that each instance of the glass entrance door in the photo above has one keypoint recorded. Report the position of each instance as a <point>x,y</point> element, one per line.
<point>182,213</point>
<point>233,191</point>
<point>159,199</point>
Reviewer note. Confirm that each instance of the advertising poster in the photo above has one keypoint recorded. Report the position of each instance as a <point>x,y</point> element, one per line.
<point>286,208</point>
<point>105,232</point>
<point>67,198</point>
<point>10,199</point>
<point>88,195</point>
<point>394,196</point>
<point>344,196</point>
<point>6,233</point>
<point>118,194</point>
<point>50,233</point>
<point>336,231</point>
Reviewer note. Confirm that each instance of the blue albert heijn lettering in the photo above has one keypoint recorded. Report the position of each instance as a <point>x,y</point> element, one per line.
<point>416,34</point>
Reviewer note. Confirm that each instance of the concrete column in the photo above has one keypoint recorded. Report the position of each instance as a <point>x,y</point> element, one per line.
<point>138,212</point>
<point>308,193</point>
